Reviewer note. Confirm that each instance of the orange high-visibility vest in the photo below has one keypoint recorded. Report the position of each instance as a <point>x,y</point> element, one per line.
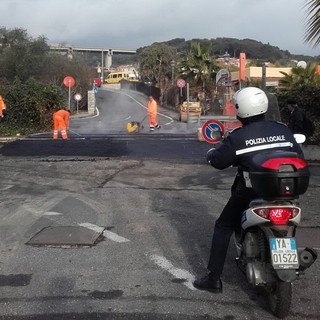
<point>64,115</point>
<point>152,107</point>
<point>60,121</point>
<point>2,106</point>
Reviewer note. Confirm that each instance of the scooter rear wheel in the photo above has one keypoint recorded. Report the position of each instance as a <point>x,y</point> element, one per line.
<point>280,294</point>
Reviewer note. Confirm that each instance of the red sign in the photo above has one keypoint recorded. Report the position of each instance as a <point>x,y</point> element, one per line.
<point>242,69</point>
<point>69,82</point>
<point>212,131</point>
<point>181,83</point>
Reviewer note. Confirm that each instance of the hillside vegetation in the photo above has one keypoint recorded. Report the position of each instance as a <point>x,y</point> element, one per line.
<point>254,50</point>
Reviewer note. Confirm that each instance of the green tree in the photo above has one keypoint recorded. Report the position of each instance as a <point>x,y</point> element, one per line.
<point>155,62</point>
<point>155,65</point>
<point>31,81</point>
<point>198,67</point>
<point>20,55</point>
<point>312,34</point>
<point>301,77</point>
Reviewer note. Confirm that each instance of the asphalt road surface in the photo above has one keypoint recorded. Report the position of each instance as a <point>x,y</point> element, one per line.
<point>153,202</point>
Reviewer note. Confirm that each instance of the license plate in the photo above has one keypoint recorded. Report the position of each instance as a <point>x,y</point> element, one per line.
<point>284,254</point>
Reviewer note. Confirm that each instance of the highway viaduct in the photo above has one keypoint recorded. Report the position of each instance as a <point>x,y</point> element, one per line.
<point>106,53</point>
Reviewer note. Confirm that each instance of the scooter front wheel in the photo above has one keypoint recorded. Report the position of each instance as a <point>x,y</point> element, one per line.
<point>280,294</point>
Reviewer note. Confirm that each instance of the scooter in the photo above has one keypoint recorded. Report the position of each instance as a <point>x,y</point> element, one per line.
<point>267,250</point>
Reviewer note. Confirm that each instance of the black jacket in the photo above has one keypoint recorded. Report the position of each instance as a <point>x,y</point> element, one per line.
<point>296,121</point>
<point>243,143</point>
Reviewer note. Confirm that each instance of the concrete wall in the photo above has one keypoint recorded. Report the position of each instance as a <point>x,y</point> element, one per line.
<point>91,102</point>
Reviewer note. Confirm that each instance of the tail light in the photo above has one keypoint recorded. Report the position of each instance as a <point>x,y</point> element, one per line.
<point>277,215</point>
<point>277,163</point>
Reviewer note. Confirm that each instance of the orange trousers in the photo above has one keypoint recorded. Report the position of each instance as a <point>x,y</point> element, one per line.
<point>58,123</point>
<point>152,118</point>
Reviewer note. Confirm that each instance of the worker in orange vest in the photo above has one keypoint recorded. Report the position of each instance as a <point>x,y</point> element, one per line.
<point>152,112</point>
<point>3,108</point>
<point>61,121</point>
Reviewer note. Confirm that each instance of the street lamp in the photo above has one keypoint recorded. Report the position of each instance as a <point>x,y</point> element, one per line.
<point>172,64</point>
<point>226,58</point>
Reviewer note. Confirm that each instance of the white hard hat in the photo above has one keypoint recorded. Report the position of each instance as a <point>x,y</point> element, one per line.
<point>250,102</point>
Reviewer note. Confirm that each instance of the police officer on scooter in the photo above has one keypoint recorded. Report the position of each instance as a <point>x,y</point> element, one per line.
<point>255,136</point>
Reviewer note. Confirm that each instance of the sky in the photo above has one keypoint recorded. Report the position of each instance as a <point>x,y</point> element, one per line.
<point>131,24</point>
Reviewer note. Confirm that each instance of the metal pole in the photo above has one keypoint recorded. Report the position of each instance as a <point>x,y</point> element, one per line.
<point>263,80</point>
<point>69,96</point>
<point>77,106</point>
<point>188,118</point>
<point>172,74</point>
<point>102,66</point>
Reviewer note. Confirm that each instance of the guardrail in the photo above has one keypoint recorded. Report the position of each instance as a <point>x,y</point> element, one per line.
<point>194,118</point>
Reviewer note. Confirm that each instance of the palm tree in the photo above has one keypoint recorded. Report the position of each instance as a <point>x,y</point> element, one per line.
<point>301,76</point>
<point>312,34</point>
<point>198,66</point>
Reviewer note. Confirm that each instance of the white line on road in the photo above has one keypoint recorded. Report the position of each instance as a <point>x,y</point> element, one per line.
<point>108,234</point>
<point>52,213</point>
<point>177,273</point>
<point>92,227</point>
<point>114,237</point>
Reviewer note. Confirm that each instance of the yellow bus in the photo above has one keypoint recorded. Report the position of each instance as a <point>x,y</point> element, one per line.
<point>116,77</point>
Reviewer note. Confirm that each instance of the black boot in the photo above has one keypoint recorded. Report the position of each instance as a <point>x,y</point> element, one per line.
<point>208,283</point>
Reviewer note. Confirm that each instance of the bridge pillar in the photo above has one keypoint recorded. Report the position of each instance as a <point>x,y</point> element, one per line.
<point>108,59</point>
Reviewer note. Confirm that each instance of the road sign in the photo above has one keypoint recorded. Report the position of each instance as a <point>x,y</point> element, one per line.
<point>69,81</point>
<point>212,131</point>
<point>181,83</point>
<point>77,97</point>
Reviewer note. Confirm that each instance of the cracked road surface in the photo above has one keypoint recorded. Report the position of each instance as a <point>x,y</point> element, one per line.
<point>156,200</point>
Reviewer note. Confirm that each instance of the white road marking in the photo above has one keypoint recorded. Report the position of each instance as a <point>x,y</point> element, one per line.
<point>52,213</point>
<point>108,234</point>
<point>177,273</point>
<point>114,237</point>
<point>92,227</point>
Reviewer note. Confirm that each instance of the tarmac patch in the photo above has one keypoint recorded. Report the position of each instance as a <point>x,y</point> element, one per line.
<point>66,237</point>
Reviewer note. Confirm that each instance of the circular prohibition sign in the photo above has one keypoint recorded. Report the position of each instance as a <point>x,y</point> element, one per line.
<point>210,129</point>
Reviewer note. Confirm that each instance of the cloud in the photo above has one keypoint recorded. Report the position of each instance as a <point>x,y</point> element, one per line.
<point>136,23</point>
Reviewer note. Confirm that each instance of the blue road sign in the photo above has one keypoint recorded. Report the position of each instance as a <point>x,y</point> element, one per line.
<point>212,131</point>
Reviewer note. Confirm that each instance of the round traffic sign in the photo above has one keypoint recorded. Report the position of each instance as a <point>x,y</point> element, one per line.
<point>212,131</point>
<point>69,81</point>
<point>181,83</point>
<point>77,97</point>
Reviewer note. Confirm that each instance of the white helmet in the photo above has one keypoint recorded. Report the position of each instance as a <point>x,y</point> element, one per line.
<point>250,102</point>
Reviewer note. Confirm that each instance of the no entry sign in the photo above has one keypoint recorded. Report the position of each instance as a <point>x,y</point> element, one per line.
<point>212,131</point>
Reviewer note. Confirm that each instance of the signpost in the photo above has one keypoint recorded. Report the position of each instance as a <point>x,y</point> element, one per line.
<point>69,82</point>
<point>78,98</point>
<point>181,84</point>
<point>212,131</point>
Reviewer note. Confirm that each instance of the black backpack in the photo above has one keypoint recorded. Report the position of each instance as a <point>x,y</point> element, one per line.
<point>308,126</point>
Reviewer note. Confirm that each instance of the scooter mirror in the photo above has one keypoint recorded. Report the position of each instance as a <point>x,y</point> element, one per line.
<point>300,138</point>
<point>217,135</point>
